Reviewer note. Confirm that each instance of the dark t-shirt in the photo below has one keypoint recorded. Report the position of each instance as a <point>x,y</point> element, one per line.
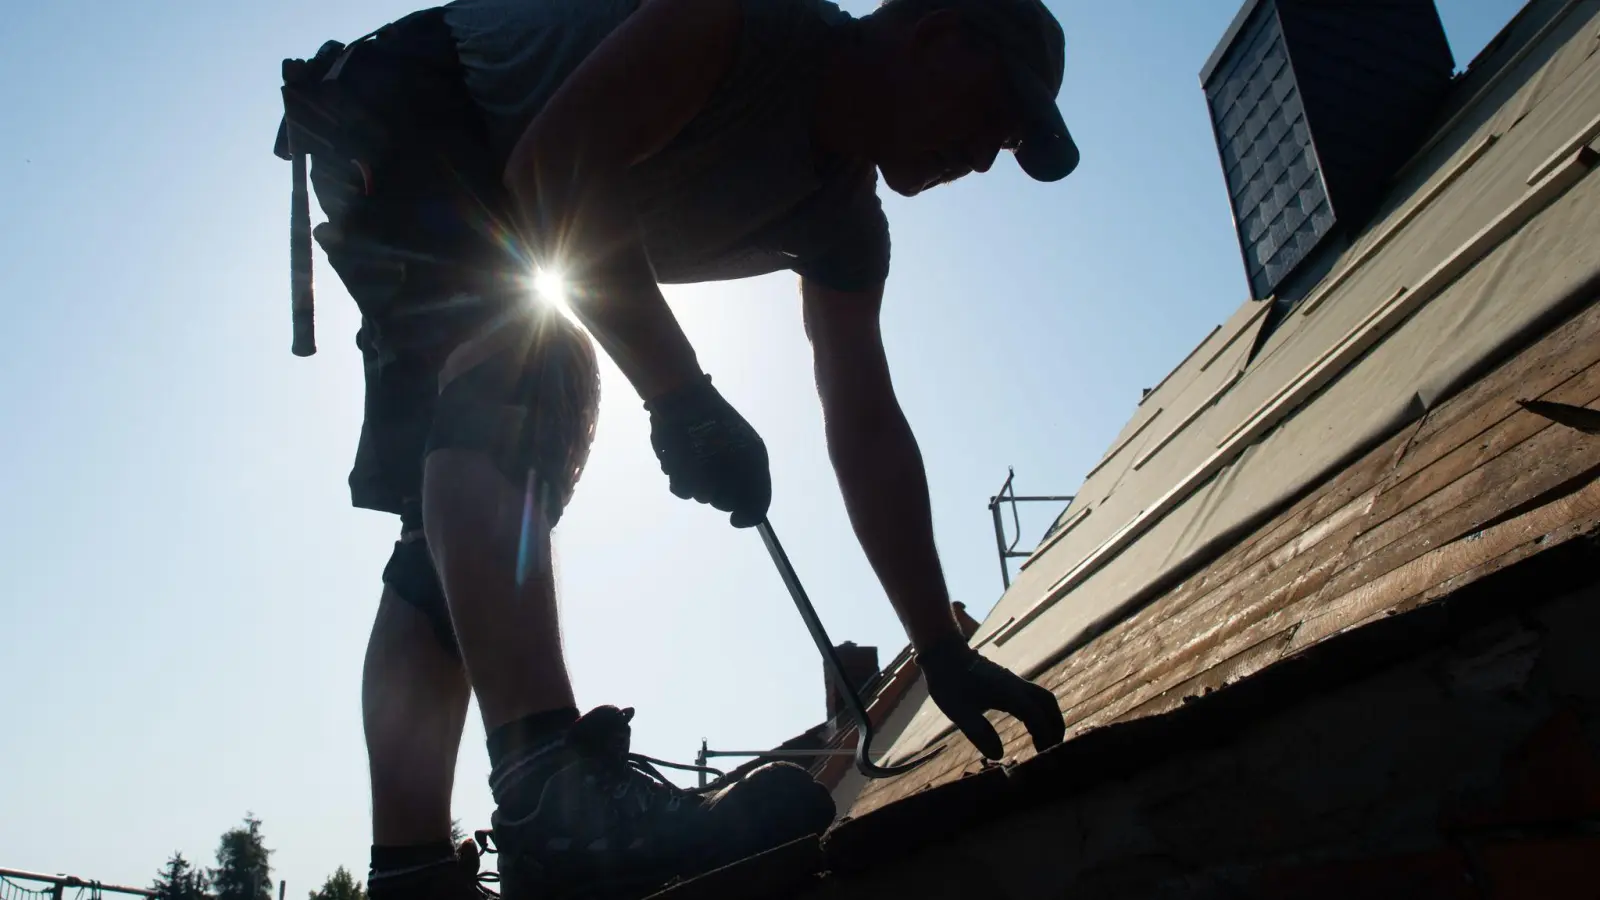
<point>739,192</point>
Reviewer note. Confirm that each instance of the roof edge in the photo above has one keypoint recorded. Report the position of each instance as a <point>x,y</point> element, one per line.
<point>1234,27</point>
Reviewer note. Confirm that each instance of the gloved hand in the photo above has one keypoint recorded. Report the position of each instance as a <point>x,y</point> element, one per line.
<point>964,684</point>
<point>710,453</point>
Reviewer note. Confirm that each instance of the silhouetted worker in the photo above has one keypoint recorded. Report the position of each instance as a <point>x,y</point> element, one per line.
<point>626,144</point>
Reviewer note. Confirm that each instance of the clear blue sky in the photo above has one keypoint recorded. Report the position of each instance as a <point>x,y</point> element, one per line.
<point>185,592</point>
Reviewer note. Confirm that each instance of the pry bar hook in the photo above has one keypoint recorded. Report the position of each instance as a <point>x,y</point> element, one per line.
<point>864,762</point>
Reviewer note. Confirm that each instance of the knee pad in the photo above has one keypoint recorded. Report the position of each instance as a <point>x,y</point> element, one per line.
<point>410,573</point>
<point>530,408</point>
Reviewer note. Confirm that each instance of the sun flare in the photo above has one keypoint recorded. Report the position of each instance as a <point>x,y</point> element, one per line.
<point>549,287</point>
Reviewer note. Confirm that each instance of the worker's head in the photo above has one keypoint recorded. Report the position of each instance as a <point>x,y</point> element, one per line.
<point>963,80</point>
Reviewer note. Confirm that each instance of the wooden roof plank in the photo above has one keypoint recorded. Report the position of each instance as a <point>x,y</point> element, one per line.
<point>1367,537</point>
<point>1377,597</point>
<point>1566,351</point>
<point>1473,488</point>
<point>1445,483</point>
<point>1495,426</point>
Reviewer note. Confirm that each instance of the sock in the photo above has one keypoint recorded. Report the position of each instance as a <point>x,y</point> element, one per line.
<point>399,860</point>
<point>516,743</point>
<point>516,737</point>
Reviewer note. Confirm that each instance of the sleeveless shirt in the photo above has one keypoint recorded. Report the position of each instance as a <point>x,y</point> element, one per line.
<point>739,191</point>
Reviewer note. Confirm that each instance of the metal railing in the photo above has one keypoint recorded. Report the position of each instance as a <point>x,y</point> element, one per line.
<point>1009,495</point>
<point>707,754</point>
<point>58,885</point>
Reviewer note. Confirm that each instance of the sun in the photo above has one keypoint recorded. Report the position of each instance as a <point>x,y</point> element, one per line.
<point>549,287</point>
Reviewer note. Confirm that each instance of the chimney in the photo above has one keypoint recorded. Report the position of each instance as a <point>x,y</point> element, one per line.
<point>860,665</point>
<point>1315,104</point>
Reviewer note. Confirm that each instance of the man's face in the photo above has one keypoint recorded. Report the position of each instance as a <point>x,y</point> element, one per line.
<point>953,109</point>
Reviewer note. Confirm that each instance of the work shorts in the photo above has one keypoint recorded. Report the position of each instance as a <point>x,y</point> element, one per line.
<point>531,408</point>
<point>419,243</point>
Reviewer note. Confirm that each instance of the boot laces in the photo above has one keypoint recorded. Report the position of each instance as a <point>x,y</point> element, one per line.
<point>604,734</point>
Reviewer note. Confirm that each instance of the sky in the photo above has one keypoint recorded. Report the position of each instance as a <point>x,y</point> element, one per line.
<point>185,591</point>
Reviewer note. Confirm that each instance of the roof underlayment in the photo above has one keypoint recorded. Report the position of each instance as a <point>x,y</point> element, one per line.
<point>1484,235</point>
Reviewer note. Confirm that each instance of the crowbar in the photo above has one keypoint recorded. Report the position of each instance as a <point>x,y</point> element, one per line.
<point>864,763</point>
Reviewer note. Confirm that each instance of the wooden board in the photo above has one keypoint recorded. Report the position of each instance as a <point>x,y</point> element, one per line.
<point>1412,482</point>
<point>1565,352</point>
<point>1402,526</point>
<point>1252,613</point>
<point>1473,552</point>
<point>1275,551</point>
<point>1262,566</point>
<point>1530,455</point>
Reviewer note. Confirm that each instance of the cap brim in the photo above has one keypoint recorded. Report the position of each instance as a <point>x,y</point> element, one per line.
<point>1047,151</point>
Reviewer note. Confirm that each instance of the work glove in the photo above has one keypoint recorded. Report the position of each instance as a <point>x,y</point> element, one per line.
<point>965,684</point>
<point>710,453</point>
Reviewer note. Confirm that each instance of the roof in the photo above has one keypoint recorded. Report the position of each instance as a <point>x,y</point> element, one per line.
<point>1363,485</point>
<point>1234,27</point>
<point>882,696</point>
<point>1480,242</point>
<point>1399,553</point>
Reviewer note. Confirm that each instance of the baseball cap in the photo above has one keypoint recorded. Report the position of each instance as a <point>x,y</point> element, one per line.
<point>1033,49</point>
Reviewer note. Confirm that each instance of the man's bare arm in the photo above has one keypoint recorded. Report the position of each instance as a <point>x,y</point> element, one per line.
<point>623,103</point>
<point>886,491</point>
<point>876,458</point>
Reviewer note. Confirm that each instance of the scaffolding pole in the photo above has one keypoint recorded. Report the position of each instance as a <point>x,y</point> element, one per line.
<point>59,883</point>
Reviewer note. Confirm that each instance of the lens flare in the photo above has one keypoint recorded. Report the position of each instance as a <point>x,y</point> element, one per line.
<point>550,288</point>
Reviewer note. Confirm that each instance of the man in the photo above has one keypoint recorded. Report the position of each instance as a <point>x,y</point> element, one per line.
<point>629,143</point>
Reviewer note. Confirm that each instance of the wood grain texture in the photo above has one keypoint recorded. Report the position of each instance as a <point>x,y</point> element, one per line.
<point>1474,486</point>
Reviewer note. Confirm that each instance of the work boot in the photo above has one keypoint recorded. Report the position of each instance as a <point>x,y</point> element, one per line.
<point>451,879</point>
<point>591,821</point>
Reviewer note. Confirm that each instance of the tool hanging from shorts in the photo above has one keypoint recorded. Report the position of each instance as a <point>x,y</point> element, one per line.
<point>386,132</point>
<point>294,143</point>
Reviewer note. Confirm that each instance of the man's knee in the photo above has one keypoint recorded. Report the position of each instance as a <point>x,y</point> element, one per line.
<point>410,573</point>
<point>529,407</point>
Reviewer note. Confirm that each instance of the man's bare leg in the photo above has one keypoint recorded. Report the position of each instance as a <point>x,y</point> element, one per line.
<point>414,698</point>
<point>492,551</point>
<point>573,811</point>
